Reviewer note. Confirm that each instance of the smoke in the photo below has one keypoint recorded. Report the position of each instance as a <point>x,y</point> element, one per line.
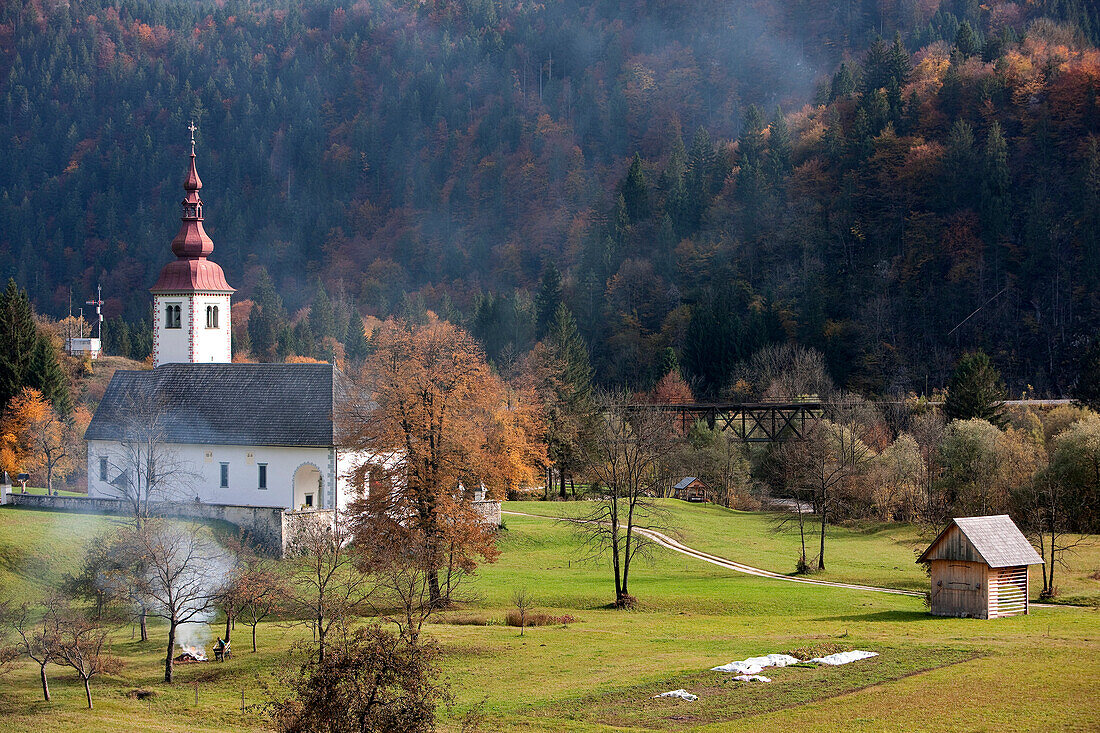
<point>194,635</point>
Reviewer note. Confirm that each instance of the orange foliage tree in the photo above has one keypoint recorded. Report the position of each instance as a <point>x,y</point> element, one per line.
<point>434,423</point>
<point>35,437</point>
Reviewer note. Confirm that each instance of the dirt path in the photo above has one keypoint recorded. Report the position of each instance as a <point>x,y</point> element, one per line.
<point>665,541</point>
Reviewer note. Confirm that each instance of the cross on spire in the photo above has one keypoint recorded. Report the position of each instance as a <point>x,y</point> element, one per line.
<point>192,128</point>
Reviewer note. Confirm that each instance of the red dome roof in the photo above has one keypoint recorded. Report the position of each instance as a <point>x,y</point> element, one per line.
<point>188,275</point>
<point>192,271</point>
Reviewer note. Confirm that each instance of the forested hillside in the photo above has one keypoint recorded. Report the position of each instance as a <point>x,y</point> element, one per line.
<point>705,177</point>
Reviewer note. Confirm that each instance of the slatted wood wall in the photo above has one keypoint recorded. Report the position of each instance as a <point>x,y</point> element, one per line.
<point>1007,588</point>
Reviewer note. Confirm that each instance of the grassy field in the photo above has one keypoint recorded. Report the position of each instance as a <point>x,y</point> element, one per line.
<point>1038,672</point>
<point>869,553</point>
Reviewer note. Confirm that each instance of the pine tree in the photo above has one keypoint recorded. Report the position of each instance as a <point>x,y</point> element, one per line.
<point>47,376</point>
<point>976,390</point>
<point>18,341</point>
<point>960,164</point>
<point>356,345</point>
<point>635,191</point>
<point>322,316</point>
<point>779,149</point>
<point>267,320</point>
<point>877,68</point>
<point>995,186</point>
<point>966,40</point>
<point>843,83</point>
<point>548,297</point>
<point>1086,388</point>
<point>567,346</point>
<point>899,65</point>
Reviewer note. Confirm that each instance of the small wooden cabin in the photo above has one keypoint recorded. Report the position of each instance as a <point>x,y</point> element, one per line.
<point>690,489</point>
<point>979,568</point>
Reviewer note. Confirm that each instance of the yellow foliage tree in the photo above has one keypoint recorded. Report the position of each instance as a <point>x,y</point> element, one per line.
<point>34,437</point>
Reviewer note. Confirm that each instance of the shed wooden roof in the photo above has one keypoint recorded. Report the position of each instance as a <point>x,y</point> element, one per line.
<point>996,539</point>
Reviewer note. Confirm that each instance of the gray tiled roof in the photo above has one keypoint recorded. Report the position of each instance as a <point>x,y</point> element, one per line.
<point>684,482</point>
<point>997,540</point>
<point>226,404</point>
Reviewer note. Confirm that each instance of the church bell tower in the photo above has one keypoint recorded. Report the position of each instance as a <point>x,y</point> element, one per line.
<point>191,299</point>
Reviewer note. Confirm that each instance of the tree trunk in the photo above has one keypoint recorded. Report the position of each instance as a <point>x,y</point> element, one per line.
<point>144,626</point>
<point>88,692</point>
<point>253,638</point>
<point>435,597</point>
<point>821,553</point>
<point>171,648</point>
<point>228,624</point>
<point>45,684</point>
<point>49,480</point>
<point>561,484</point>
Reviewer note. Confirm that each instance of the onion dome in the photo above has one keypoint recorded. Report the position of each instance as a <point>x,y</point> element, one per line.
<point>192,270</point>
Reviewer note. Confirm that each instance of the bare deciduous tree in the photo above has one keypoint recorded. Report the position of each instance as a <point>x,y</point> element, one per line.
<point>37,640</point>
<point>179,573</point>
<point>80,642</point>
<point>630,462</point>
<point>145,469</point>
<point>523,601</point>
<point>325,586</point>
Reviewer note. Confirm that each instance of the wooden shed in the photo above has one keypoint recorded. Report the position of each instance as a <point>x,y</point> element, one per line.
<point>690,489</point>
<point>979,568</point>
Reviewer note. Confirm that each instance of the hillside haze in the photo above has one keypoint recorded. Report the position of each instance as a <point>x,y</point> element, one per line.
<point>708,177</point>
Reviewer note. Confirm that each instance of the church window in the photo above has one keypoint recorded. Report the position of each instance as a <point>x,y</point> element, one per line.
<point>263,475</point>
<point>211,316</point>
<point>309,501</point>
<point>102,469</point>
<point>172,316</point>
<point>225,476</point>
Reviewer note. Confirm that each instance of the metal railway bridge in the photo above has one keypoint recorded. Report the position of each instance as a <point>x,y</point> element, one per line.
<point>760,422</point>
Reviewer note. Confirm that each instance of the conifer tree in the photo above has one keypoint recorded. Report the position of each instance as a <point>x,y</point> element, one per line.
<point>28,358</point>
<point>899,64</point>
<point>843,83</point>
<point>267,321</point>
<point>322,316</point>
<point>635,191</point>
<point>356,345</point>
<point>779,148</point>
<point>548,297</point>
<point>877,68</point>
<point>976,390</point>
<point>995,186</point>
<point>18,338</point>
<point>47,376</point>
<point>966,40</point>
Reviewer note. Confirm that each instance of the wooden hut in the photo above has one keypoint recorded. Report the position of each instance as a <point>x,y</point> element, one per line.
<point>979,568</point>
<point>690,489</point>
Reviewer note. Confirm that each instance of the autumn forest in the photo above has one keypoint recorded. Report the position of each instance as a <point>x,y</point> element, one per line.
<point>892,183</point>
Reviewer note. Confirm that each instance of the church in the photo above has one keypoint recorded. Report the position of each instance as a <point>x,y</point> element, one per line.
<point>241,435</point>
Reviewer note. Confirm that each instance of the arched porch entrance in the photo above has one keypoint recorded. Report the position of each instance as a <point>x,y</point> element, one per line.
<point>307,487</point>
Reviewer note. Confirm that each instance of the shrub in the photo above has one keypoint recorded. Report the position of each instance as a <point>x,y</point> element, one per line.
<point>539,619</point>
<point>468,619</point>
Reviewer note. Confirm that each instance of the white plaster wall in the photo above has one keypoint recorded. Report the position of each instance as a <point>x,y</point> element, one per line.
<point>205,473</point>
<point>171,345</point>
<point>212,345</point>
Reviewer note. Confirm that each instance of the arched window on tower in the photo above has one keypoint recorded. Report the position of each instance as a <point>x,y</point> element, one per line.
<point>211,316</point>
<point>215,316</point>
<point>171,316</point>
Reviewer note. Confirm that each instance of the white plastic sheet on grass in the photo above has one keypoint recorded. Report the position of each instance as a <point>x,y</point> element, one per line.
<point>843,657</point>
<point>753,665</point>
<point>752,678</point>
<point>682,694</point>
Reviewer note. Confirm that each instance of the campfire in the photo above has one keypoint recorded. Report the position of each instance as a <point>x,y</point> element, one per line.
<point>190,655</point>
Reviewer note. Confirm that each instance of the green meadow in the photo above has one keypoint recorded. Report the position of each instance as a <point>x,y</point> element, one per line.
<point>601,671</point>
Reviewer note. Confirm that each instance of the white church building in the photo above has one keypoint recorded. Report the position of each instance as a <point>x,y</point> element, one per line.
<point>245,435</point>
